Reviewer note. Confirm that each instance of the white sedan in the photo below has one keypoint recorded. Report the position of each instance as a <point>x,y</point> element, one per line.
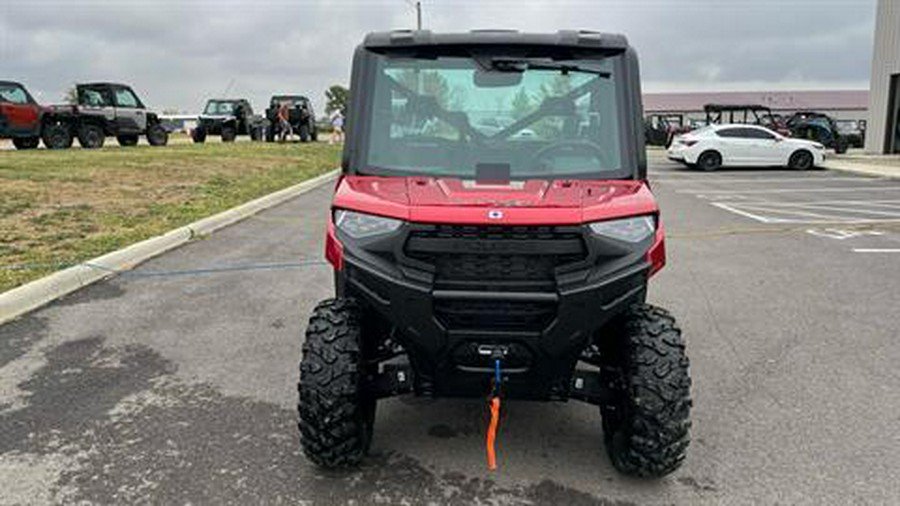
<point>715,146</point>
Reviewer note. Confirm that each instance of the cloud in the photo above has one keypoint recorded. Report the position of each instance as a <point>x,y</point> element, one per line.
<point>177,53</point>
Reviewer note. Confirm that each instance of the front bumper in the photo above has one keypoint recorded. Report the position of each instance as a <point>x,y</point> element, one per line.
<point>453,295</point>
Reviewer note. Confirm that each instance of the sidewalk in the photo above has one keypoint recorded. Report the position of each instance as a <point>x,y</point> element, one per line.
<point>872,165</point>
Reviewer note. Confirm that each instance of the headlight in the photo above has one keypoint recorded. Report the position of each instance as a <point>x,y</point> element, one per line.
<point>359,225</point>
<point>633,230</point>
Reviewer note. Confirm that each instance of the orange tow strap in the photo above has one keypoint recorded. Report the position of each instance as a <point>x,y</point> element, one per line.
<point>492,433</point>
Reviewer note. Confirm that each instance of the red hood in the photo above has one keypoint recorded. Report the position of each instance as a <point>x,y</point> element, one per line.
<point>444,200</point>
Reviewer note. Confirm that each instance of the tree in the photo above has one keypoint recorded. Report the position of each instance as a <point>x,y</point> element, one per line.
<point>71,96</point>
<point>521,104</point>
<point>337,97</point>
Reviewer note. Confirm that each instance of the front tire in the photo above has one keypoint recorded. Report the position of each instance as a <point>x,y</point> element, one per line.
<point>336,413</point>
<point>91,137</point>
<point>26,142</point>
<point>228,134</point>
<point>198,135</point>
<point>157,135</point>
<point>801,160</point>
<point>646,427</point>
<point>56,136</point>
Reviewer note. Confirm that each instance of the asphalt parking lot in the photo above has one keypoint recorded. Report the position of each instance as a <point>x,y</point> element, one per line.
<point>175,384</point>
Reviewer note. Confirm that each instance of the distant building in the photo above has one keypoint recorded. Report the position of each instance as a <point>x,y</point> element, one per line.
<point>840,104</point>
<point>883,135</point>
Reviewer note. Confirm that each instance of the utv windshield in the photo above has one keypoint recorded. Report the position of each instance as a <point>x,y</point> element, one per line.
<point>494,118</point>
<point>216,107</point>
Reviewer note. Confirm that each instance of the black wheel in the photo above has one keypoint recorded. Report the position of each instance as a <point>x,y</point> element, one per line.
<point>801,160</point>
<point>91,137</point>
<point>157,135</point>
<point>336,414</point>
<point>709,160</point>
<point>127,140</point>
<point>26,142</point>
<point>255,134</point>
<point>270,134</point>
<point>304,133</point>
<point>646,427</point>
<point>314,134</point>
<point>840,145</point>
<point>198,135</point>
<point>228,133</point>
<point>56,136</point>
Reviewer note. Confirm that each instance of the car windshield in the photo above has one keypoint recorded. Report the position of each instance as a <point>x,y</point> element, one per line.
<point>219,107</point>
<point>512,118</point>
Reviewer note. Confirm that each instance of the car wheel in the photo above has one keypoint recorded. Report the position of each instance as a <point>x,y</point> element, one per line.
<point>228,134</point>
<point>26,142</point>
<point>646,426</point>
<point>801,160</point>
<point>709,161</point>
<point>157,135</point>
<point>198,135</point>
<point>336,412</point>
<point>127,140</point>
<point>91,137</point>
<point>840,145</point>
<point>270,134</point>
<point>56,136</point>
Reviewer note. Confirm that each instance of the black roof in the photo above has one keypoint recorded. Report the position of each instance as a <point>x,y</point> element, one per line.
<point>103,84</point>
<point>563,39</point>
<point>227,100</point>
<point>735,107</point>
<point>289,97</point>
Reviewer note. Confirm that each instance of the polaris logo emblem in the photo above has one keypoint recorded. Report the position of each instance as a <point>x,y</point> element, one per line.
<point>495,214</point>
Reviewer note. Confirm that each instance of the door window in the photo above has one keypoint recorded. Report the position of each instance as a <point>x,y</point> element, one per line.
<point>755,133</point>
<point>94,98</point>
<point>125,98</point>
<point>730,133</point>
<point>13,94</point>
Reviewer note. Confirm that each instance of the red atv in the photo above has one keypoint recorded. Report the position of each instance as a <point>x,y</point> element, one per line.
<point>26,122</point>
<point>506,259</point>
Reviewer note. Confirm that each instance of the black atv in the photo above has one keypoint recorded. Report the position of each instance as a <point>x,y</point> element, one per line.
<point>818,127</point>
<point>490,263</point>
<point>301,117</point>
<point>229,118</point>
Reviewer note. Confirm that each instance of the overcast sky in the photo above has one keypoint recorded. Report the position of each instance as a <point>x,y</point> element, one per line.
<point>176,53</point>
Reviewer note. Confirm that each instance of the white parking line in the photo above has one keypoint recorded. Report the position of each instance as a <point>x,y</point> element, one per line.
<point>706,191</point>
<point>761,180</point>
<point>876,250</point>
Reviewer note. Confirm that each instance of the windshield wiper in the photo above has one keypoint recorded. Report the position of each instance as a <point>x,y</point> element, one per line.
<point>498,65</point>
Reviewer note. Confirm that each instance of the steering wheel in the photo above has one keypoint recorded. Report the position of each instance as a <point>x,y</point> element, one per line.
<point>568,148</point>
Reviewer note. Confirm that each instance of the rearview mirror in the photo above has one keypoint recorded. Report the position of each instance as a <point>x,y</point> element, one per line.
<point>491,79</point>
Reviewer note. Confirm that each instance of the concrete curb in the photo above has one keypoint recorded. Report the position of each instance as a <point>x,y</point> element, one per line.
<point>31,296</point>
<point>864,169</point>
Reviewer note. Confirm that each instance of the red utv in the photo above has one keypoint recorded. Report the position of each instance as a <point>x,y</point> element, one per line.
<point>26,122</point>
<point>506,262</point>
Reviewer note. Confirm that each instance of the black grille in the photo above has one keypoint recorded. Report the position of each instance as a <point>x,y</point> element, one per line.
<point>495,259</point>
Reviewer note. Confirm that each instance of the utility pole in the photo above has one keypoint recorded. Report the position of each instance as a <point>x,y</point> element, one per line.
<point>418,6</point>
<point>418,15</point>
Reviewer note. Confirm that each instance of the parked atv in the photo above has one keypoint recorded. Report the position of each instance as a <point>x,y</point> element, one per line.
<point>107,110</point>
<point>228,118</point>
<point>818,127</point>
<point>486,264</point>
<point>300,116</point>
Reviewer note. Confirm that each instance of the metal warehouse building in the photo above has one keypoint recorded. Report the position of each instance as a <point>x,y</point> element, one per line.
<point>883,134</point>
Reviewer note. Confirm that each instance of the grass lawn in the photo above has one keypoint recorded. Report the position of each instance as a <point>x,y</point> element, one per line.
<point>63,207</point>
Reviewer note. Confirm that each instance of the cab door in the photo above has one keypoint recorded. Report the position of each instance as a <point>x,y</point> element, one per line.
<point>96,101</point>
<point>131,117</point>
<point>18,110</point>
